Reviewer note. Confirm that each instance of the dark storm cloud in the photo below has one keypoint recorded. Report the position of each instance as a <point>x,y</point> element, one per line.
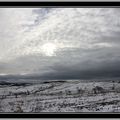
<point>95,65</point>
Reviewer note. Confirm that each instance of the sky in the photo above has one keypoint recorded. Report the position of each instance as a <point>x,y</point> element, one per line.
<point>60,43</point>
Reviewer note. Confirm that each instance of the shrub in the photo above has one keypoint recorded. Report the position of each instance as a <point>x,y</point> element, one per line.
<point>98,89</point>
<point>18,109</point>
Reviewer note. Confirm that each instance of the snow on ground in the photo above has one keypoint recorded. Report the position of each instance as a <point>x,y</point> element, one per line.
<point>61,96</point>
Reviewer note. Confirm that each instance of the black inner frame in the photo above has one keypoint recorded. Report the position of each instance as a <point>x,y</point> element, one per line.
<point>82,4</point>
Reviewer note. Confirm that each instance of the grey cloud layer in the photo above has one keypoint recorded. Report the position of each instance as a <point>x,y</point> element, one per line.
<point>87,40</point>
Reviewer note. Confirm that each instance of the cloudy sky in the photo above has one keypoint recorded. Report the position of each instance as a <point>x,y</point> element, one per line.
<point>60,43</point>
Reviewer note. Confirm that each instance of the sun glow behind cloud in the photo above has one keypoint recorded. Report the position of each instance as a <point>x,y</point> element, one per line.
<point>49,49</point>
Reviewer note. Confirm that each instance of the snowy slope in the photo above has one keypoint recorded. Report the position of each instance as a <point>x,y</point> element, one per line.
<point>66,96</point>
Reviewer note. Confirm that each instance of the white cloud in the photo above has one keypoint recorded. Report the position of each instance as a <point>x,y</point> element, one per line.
<point>84,34</point>
<point>12,27</point>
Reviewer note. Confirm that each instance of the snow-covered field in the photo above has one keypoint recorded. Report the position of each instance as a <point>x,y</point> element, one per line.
<point>60,96</point>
